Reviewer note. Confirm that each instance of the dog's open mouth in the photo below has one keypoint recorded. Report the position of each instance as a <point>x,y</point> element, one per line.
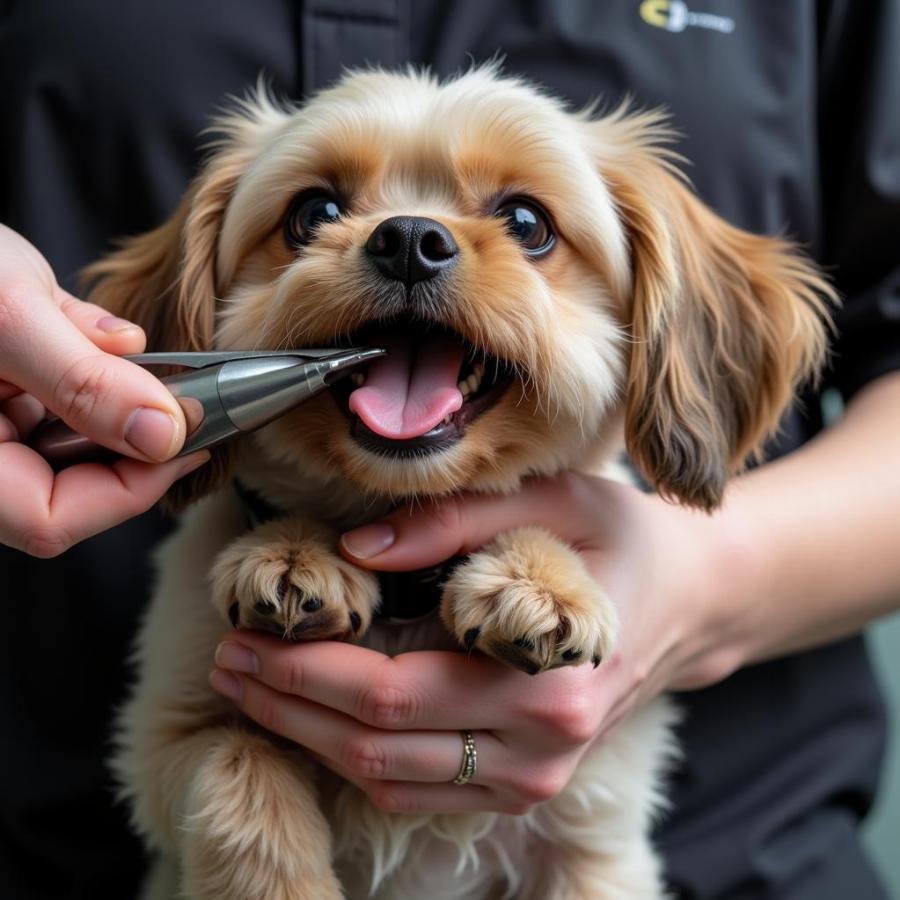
<point>422,396</point>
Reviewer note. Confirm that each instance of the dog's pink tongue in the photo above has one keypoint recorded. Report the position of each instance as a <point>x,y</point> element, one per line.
<point>412,389</point>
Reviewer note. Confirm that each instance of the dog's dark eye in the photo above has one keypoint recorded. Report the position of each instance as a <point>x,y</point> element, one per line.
<point>528,224</point>
<point>307,212</point>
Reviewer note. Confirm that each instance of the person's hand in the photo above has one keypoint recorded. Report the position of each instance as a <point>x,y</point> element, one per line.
<point>392,725</point>
<point>60,354</point>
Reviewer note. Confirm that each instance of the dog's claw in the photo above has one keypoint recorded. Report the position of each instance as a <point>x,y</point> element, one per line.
<point>596,660</point>
<point>470,637</point>
<point>516,655</point>
<point>234,614</point>
<point>355,621</point>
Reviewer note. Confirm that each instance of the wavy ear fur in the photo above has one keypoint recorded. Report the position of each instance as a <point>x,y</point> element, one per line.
<point>725,324</point>
<point>165,280</point>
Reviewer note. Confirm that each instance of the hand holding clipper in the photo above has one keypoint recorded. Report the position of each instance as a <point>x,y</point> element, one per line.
<point>223,394</point>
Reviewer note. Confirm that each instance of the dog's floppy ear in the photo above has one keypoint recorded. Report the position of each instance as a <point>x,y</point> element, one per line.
<point>724,324</point>
<point>165,280</point>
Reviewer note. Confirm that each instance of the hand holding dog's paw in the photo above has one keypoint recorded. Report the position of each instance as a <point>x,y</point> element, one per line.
<point>284,577</point>
<point>527,599</point>
<point>662,564</point>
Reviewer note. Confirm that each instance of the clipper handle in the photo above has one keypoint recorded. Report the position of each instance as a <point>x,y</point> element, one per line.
<point>221,400</point>
<point>62,446</point>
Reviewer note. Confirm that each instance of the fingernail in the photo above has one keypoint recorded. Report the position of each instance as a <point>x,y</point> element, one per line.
<point>226,684</point>
<point>112,324</point>
<point>368,541</point>
<point>194,461</point>
<point>152,432</point>
<point>230,655</point>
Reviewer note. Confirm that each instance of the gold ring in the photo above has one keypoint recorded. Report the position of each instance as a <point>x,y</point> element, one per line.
<point>469,760</point>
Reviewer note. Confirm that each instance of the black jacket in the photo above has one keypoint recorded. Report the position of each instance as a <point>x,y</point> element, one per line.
<point>789,113</point>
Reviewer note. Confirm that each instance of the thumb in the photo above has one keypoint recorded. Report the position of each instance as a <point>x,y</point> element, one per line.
<point>410,539</point>
<point>107,399</point>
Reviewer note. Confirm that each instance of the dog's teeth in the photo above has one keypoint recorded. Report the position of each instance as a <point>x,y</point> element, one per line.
<point>474,382</point>
<point>464,388</point>
<point>358,378</point>
<point>478,369</point>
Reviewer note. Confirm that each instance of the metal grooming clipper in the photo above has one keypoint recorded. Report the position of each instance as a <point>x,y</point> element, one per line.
<point>224,394</point>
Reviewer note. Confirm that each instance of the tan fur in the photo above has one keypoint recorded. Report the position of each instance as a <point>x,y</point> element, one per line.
<point>165,280</point>
<point>724,326</point>
<point>264,836</point>
<point>651,321</point>
<point>171,268</point>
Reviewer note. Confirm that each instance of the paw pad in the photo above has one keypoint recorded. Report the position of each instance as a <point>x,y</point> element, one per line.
<point>314,604</point>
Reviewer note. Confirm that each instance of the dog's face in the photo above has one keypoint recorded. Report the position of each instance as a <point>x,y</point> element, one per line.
<point>537,277</point>
<point>465,230</point>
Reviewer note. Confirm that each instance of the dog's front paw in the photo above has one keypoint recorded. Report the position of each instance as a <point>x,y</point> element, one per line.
<point>285,577</point>
<point>528,600</point>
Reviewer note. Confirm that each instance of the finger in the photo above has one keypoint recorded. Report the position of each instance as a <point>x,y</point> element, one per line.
<point>422,690</point>
<point>110,333</point>
<point>24,412</point>
<point>422,756</point>
<point>415,797</point>
<point>8,430</point>
<point>45,515</point>
<point>569,506</point>
<point>433,757</point>
<point>109,400</point>
<point>8,390</point>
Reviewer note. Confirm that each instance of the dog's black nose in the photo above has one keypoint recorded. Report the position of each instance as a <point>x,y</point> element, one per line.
<point>411,249</point>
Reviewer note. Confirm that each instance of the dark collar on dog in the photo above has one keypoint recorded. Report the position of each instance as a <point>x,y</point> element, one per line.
<point>405,596</point>
<point>257,510</point>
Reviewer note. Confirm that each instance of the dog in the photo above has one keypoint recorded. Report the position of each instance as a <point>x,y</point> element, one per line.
<point>550,291</point>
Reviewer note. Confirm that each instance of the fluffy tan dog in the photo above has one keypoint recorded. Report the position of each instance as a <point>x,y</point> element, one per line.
<point>550,290</point>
